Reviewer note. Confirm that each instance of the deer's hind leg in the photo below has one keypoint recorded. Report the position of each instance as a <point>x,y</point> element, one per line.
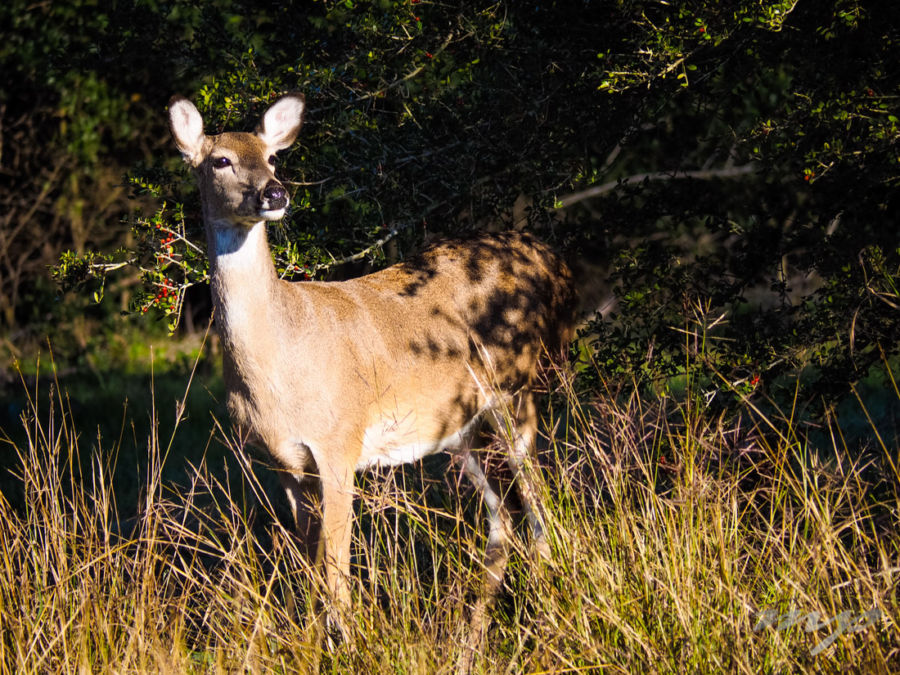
<point>304,494</point>
<point>496,557</point>
<point>499,522</point>
<point>519,428</point>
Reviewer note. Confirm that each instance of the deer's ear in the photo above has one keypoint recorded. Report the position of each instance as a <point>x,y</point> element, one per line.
<point>281,122</point>
<point>186,125</point>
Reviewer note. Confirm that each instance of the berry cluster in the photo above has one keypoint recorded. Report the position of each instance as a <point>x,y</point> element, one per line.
<point>294,270</point>
<point>166,298</point>
<point>165,245</point>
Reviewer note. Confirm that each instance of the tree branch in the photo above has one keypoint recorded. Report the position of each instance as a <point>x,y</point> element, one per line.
<point>366,251</point>
<point>410,75</point>
<point>702,174</point>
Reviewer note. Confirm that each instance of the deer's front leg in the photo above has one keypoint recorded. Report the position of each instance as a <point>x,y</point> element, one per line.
<point>337,522</point>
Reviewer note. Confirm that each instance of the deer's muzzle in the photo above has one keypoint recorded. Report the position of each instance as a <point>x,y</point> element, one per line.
<point>273,196</point>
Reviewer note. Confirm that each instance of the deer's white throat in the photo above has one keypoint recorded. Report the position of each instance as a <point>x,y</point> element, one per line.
<point>238,247</point>
<point>242,278</point>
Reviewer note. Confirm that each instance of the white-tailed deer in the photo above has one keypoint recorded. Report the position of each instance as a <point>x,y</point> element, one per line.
<point>334,377</point>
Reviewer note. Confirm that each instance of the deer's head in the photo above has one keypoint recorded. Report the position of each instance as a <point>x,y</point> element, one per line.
<point>236,171</point>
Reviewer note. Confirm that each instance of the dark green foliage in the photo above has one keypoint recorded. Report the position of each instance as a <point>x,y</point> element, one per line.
<point>755,145</point>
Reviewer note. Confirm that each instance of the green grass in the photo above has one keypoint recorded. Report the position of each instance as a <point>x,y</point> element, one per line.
<point>670,531</point>
<point>119,395</point>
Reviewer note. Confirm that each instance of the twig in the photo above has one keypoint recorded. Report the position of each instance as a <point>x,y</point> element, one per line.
<point>410,75</point>
<point>702,174</point>
<point>366,251</point>
<point>111,267</point>
<point>307,183</point>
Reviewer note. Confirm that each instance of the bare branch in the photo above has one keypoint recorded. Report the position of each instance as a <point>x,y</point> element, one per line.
<point>366,251</point>
<point>702,174</point>
<point>410,75</point>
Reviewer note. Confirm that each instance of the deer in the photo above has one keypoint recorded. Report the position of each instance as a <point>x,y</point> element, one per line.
<point>331,378</point>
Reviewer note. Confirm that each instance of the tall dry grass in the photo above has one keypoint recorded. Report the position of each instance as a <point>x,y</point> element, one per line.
<point>681,542</point>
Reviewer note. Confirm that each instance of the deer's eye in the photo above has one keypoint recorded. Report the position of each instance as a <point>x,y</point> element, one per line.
<point>272,160</point>
<point>221,162</point>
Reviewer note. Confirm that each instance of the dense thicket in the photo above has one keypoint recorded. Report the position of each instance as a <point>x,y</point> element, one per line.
<point>728,170</point>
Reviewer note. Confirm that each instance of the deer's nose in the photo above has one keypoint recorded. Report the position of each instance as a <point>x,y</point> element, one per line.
<point>274,195</point>
<point>273,191</point>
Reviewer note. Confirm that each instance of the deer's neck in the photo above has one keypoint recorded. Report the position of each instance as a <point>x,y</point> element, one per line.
<point>243,282</point>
